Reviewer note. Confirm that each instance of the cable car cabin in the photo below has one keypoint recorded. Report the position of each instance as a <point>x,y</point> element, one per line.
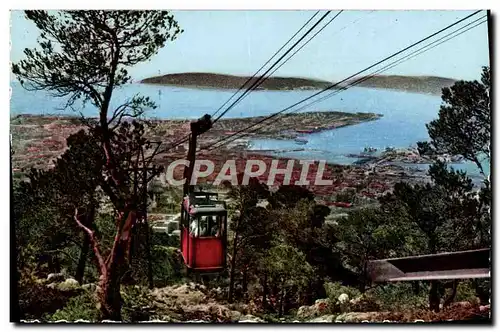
<point>203,232</point>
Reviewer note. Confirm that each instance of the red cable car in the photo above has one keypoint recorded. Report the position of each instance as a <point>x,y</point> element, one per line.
<point>203,232</point>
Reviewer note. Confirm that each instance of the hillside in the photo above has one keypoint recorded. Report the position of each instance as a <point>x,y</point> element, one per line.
<point>222,81</point>
<point>420,84</point>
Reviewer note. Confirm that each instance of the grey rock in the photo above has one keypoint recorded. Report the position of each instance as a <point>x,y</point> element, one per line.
<point>55,277</point>
<point>52,285</point>
<point>484,308</point>
<point>68,284</point>
<point>90,287</point>
<point>250,319</point>
<point>323,319</point>
<point>235,315</point>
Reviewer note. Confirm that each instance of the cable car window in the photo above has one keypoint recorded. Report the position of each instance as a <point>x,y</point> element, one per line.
<point>194,227</point>
<point>205,226</point>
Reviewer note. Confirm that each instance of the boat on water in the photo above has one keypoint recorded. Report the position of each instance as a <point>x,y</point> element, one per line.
<point>301,141</point>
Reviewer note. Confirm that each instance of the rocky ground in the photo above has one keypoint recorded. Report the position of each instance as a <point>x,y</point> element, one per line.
<point>195,303</point>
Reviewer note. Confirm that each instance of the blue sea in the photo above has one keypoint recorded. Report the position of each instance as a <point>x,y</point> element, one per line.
<point>402,125</point>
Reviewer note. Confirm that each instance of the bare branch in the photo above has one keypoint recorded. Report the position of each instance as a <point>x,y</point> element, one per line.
<point>93,240</point>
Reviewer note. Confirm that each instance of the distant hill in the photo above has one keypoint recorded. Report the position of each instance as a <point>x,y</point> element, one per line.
<point>420,84</point>
<point>222,81</point>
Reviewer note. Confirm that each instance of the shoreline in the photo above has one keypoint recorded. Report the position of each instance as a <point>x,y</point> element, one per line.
<point>37,140</point>
<point>216,88</point>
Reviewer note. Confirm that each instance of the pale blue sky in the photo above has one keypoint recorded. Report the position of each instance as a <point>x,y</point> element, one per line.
<point>239,42</point>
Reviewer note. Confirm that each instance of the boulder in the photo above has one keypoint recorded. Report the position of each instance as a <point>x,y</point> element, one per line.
<point>320,308</point>
<point>356,317</point>
<point>52,285</point>
<point>55,277</point>
<point>484,308</point>
<point>343,302</point>
<point>235,315</point>
<point>323,319</point>
<point>363,303</point>
<point>68,284</point>
<point>250,319</point>
<point>178,295</point>
<point>305,311</point>
<point>90,287</point>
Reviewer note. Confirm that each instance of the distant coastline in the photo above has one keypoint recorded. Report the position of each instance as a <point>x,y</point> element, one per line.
<point>222,81</point>
<point>418,84</point>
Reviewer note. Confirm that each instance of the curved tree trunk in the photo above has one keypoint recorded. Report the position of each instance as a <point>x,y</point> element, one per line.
<point>114,266</point>
<point>82,261</point>
<point>109,296</point>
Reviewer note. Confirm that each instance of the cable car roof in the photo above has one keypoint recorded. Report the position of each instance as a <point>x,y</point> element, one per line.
<point>206,209</point>
<point>201,202</point>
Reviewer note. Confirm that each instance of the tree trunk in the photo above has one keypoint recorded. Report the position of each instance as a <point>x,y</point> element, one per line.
<point>416,287</point>
<point>146,224</point>
<point>149,256</point>
<point>233,269</point>
<point>449,300</point>
<point>282,296</point>
<point>82,261</point>
<point>434,296</point>
<point>109,296</point>
<point>482,288</point>
<point>362,287</point>
<point>245,282</point>
<point>434,299</point>
<point>80,269</point>
<point>264,292</point>
<point>115,266</point>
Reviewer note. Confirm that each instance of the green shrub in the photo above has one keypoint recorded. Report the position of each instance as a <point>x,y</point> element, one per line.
<point>364,303</point>
<point>167,266</point>
<point>82,306</point>
<point>136,305</point>
<point>466,292</point>
<point>37,300</point>
<point>400,296</point>
<point>335,289</point>
<point>348,195</point>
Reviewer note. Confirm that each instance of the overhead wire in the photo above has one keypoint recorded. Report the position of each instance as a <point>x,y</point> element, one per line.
<point>294,53</point>
<point>408,57</point>
<point>256,83</point>
<point>269,60</point>
<point>365,78</point>
<point>263,77</point>
<point>342,81</point>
